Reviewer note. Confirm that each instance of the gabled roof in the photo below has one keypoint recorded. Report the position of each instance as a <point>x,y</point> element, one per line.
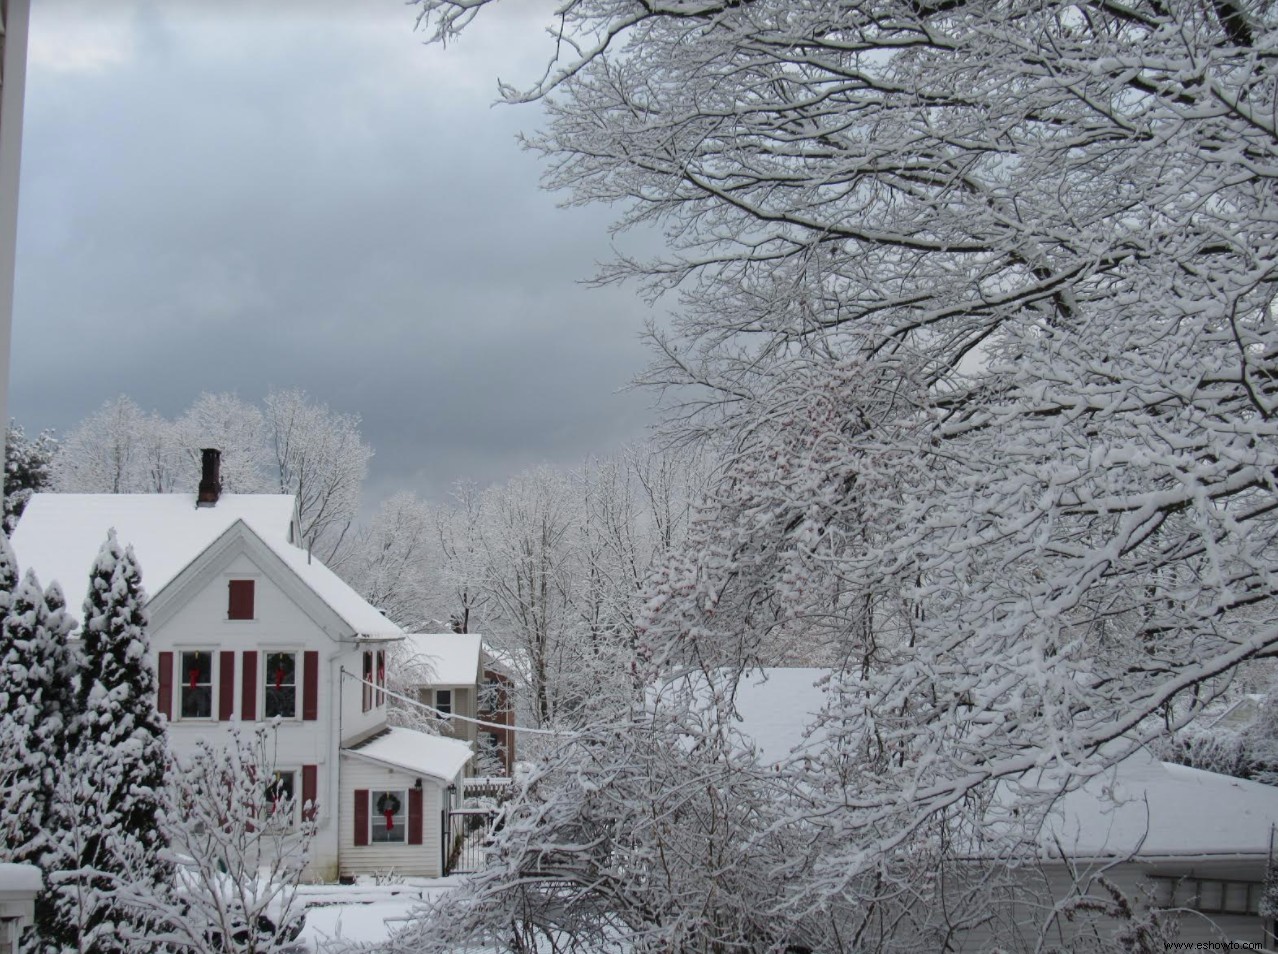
<point>59,536</point>
<point>443,659</point>
<point>414,752</point>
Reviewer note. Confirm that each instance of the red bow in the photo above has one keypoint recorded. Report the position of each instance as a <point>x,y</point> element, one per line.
<point>193,677</point>
<point>279,677</point>
<point>390,820</point>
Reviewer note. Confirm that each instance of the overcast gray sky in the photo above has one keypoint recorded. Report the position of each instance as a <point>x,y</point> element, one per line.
<point>237,196</point>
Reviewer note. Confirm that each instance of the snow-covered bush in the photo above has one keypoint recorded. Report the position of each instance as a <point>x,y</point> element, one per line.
<point>237,851</point>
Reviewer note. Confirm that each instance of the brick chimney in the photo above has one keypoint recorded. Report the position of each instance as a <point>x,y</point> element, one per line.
<point>210,477</point>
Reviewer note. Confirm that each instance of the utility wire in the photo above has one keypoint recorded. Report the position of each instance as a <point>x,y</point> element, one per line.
<point>447,716</point>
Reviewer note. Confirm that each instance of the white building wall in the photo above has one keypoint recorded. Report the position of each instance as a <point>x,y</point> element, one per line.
<point>278,624</point>
<point>355,722</point>
<point>13,48</point>
<point>1019,917</point>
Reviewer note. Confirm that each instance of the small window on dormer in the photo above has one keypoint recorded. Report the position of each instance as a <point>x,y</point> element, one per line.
<point>240,602</point>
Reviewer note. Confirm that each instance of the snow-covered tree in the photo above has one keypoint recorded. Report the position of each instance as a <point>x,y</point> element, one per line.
<point>238,847</point>
<point>34,680</point>
<point>393,561</point>
<point>119,449</point>
<point>28,469</point>
<point>318,455</point>
<point>979,301</point>
<point>111,792</point>
<point>234,427</point>
<point>458,597</point>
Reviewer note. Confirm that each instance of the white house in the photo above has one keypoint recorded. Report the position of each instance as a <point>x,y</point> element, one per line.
<point>454,675</point>
<point>246,628</point>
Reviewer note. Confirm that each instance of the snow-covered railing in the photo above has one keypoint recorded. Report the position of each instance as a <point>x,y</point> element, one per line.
<point>496,787</point>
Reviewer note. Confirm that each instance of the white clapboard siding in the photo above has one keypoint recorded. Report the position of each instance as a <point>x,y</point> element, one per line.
<point>422,860</point>
<point>1027,909</point>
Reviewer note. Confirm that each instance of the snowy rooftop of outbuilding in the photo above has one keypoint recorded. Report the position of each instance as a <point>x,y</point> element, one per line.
<point>776,706</point>
<point>1150,809</point>
<point>415,752</point>
<point>20,880</point>
<point>443,659</point>
<point>59,536</point>
<point>1140,807</point>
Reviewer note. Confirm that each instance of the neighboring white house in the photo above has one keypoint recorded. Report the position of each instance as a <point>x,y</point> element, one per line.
<point>246,628</point>
<point>454,675</point>
<point>1183,839</point>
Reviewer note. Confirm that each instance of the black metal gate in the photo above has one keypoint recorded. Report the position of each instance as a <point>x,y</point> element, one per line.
<point>463,837</point>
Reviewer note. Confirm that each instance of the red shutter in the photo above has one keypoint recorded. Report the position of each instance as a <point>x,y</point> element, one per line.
<point>310,686</point>
<point>414,816</point>
<point>310,791</point>
<point>248,698</point>
<point>226,686</point>
<point>240,600</point>
<point>165,701</point>
<point>361,816</point>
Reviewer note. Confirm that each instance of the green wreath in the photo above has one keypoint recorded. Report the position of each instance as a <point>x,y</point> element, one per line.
<point>388,804</point>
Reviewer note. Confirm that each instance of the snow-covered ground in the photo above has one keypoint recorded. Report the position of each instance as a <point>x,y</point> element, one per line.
<point>341,916</point>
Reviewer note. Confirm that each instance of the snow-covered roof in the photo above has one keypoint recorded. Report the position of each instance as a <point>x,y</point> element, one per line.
<point>415,752</point>
<point>1151,809</point>
<point>340,596</point>
<point>776,707</point>
<point>1141,807</point>
<point>444,659</point>
<point>19,880</point>
<point>59,536</point>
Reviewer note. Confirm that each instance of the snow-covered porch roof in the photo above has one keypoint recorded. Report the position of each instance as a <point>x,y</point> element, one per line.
<point>417,753</point>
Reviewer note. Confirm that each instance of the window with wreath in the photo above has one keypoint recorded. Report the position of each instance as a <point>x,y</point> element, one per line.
<point>196,693</point>
<point>281,685</point>
<point>388,820</point>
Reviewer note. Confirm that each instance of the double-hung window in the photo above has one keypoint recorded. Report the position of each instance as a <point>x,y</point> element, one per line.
<point>280,798</point>
<point>280,683</point>
<point>196,690</point>
<point>444,702</point>
<point>368,680</point>
<point>388,821</point>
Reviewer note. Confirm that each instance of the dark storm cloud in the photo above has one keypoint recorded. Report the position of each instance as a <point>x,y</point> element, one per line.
<point>267,196</point>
